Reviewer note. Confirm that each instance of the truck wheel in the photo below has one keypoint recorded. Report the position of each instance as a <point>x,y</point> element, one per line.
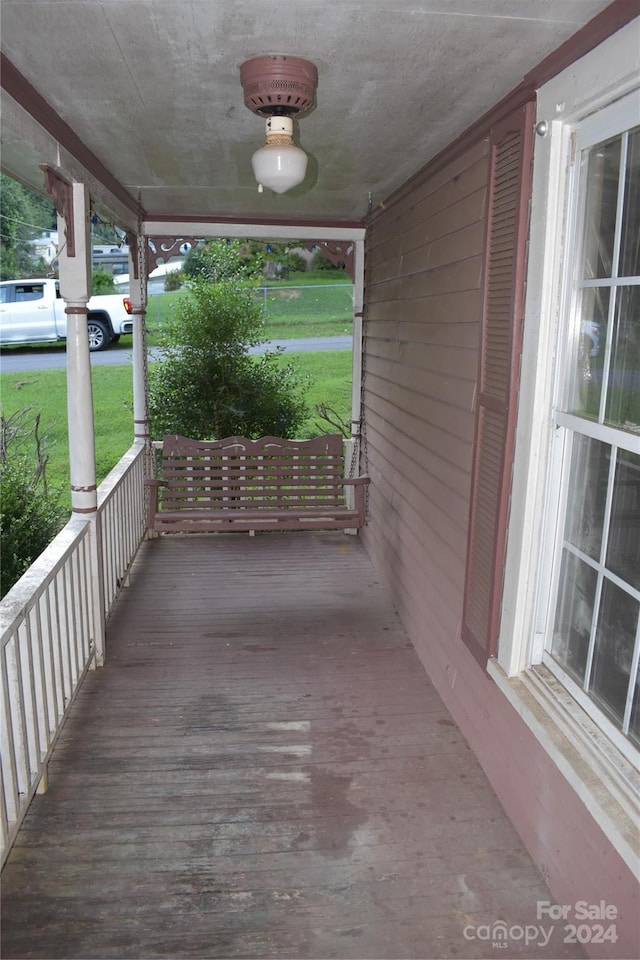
<point>99,335</point>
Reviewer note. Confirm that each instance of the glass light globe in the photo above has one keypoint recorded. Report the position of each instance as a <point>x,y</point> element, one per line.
<point>279,164</point>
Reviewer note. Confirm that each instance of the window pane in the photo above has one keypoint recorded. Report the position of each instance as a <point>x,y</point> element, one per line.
<point>623,553</point>
<point>615,639</point>
<point>588,364</point>
<point>623,394</point>
<point>574,614</point>
<point>630,248</point>
<point>600,214</point>
<point>587,494</point>
<point>29,291</point>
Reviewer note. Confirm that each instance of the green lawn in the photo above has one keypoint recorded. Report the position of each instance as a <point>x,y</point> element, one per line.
<point>293,308</point>
<point>312,277</point>
<point>45,392</point>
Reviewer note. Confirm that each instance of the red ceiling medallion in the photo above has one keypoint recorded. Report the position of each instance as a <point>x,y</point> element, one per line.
<point>279,86</point>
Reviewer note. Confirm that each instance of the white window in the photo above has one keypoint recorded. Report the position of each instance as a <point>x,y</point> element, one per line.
<point>590,598</point>
<point>569,644</point>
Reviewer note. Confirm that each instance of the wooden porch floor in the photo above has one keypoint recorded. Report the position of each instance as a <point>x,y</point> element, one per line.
<point>262,769</point>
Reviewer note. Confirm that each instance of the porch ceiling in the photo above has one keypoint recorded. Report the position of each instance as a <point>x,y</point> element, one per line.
<point>152,89</point>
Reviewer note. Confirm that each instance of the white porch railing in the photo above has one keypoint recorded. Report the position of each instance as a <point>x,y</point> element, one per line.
<point>122,517</point>
<point>48,632</point>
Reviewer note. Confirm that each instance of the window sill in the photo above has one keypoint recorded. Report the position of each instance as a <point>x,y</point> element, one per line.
<point>606,782</point>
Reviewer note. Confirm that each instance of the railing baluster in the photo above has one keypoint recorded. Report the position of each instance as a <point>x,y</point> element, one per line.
<point>30,699</point>
<point>63,605</point>
<point>17,714</point>
<point>42,692</point>
<point>9,756</point>
<point>4,812</point>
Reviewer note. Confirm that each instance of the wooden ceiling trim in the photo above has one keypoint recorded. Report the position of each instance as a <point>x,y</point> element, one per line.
<point>318,224</point>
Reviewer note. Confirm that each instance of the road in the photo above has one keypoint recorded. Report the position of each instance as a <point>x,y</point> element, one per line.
<point>22,359</point>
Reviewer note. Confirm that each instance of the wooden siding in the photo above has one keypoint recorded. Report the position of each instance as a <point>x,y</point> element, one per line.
<point>423,314</point>
<point>263,769</point>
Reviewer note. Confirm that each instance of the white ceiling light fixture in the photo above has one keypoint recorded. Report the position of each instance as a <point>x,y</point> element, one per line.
<point>279,164</point>
<point>280,89</point>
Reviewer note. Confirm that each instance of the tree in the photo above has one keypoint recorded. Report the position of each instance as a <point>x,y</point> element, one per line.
<point>23,216</point>
<point>216,260</point>
<point>208,385</point>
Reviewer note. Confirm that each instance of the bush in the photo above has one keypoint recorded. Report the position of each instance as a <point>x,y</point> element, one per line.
<point>103,282</point>
<point>30,516</point>
<point>208,385</point>
<point>296,263</point>
<point>320,262</point>
<point>173,280</point>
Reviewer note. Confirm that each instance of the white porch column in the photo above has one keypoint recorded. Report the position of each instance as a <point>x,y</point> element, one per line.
<point>75,287</point>
<point>138,297</point>
<point>358,301</point>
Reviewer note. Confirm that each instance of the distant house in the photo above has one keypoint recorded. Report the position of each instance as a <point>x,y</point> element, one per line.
<point>45,246</point>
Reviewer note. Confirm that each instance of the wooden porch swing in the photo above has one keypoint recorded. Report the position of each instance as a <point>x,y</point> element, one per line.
<point>238,484</point>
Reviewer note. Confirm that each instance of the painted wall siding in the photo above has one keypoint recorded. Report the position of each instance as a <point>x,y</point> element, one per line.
<point>423,309</point>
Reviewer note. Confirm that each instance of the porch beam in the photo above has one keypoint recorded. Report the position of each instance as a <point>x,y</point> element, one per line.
<point>252,231</point>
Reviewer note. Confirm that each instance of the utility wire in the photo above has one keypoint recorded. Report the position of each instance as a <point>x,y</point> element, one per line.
<point>7,236</point>
<point>25,224</point>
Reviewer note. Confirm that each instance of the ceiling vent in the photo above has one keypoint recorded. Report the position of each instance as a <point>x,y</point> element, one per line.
<point>277,86</point>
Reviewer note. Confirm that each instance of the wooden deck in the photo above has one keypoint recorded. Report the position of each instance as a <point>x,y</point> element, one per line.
<point>262,769</point>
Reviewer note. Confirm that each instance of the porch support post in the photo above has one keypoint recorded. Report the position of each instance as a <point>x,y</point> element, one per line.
<point>358,301</point>
<point>75,287</point>
<point>138,296</point>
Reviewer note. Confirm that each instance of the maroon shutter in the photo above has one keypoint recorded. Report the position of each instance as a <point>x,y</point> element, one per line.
<point>507,229</point>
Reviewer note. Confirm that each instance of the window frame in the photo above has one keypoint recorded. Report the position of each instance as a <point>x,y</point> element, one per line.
<point>605,779</point>
<point>608,122</point>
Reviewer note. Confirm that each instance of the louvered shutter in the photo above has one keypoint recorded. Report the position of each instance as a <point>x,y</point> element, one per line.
<point>507,228</point>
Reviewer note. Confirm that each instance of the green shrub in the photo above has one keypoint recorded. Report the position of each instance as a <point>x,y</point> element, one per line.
<point>103,282</point>
<point>320,262</point>
<point>207,384</point>
<point>30,516</point>
<point>173,280</point>
<point>296,263</point>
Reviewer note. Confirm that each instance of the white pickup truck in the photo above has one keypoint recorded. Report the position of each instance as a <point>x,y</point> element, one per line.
<point>32,311</point>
